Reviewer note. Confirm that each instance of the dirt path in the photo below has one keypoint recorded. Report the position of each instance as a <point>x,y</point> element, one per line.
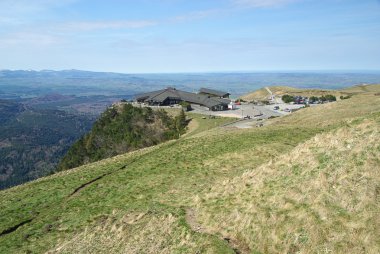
<point>269,91</point>
<point>191,219</point>
<point>191,127</point>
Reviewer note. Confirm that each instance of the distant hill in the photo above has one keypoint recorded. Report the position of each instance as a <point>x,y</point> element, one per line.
<point>307,182</point>
<point>32,141</point>
<point>8,109</point>
<point>22,83</point>
<point>54,97</point>
<point>263,94</point>
<point>120,129</point>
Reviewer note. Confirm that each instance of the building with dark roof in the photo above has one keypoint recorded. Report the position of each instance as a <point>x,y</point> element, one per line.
<point>170,96</point>
<point>214,93</point>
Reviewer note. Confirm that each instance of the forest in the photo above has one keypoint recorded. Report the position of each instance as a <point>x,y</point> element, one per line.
<point>32,141</point>
<point>121,129</point>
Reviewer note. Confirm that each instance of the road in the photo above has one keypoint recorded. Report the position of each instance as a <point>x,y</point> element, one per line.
<point>241,111</point>
<point>269,91</point>
<point>245,124</point>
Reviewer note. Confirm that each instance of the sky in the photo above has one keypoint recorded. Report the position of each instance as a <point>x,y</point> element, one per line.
<point>171,36</point>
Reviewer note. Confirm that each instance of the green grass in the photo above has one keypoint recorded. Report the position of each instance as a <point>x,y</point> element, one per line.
<point>204,123</point>
<point>160,181</point>
<point>325,187</point>
<point>155,188</point>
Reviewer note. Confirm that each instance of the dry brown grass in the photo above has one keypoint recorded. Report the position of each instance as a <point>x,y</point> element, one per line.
<point>262,94</point>
<point>323,197</point>
<point>137,233</point>
<point>332,113</point>
<point>132,233</point>
<point>374,88</point>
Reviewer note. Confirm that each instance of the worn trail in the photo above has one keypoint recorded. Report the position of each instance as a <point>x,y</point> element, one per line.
<point>236,247</point>
<point>14,228</point>
<point>82,186</point>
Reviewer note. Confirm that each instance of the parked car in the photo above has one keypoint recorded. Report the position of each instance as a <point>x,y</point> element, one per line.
<point>276,108</point>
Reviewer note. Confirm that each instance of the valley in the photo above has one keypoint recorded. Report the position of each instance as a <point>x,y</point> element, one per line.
<point>32,141</point>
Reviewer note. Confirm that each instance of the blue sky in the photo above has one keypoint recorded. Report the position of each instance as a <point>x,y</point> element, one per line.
<point>153,36</point>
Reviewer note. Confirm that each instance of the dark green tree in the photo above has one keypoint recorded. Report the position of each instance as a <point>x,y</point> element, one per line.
<point>123,129</point>
<point>287,98</point>
<point>313,99</point>
<point>181,122</point>
<point>330,97</point>
<point>185,105</point>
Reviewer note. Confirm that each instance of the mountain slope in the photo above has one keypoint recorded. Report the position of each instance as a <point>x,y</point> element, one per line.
<point>32,141</point>
<point>263,94</point>
<point>322,196</point>
<point>8,109</point>
<point>120,129</point>
<point>171,197</point>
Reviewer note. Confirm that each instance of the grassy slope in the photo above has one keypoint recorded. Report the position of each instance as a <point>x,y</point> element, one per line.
<point>362,89</point>
<point>262,94</point>
<point>322,197</point>
<point>142,207</point>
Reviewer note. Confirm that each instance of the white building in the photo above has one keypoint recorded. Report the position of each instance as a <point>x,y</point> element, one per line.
<point>231,105</point>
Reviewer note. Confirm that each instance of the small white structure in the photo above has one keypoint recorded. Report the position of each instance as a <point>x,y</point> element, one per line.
<point>232,105</point>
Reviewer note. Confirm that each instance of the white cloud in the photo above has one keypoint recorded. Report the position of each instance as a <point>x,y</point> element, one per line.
<point>29,39</point>
<point>261,3</point>
<point>198,15</point>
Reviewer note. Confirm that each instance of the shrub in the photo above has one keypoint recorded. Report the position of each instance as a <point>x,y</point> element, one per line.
<point>345,97</point>
<point>287,98</point>
<point>185,105</point>
<point>180,122</point>
<point>330,97</point>
<point>313,99</point>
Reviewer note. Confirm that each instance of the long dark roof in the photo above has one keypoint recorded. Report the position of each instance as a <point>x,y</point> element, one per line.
<point>161,95</point>
<point>213,92</point>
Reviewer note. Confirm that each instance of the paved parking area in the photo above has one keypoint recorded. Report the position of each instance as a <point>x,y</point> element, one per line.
<point>242,111</point>
<point>250,110</point>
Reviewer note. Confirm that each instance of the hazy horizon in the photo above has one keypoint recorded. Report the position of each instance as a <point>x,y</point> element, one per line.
<point>349,71</point>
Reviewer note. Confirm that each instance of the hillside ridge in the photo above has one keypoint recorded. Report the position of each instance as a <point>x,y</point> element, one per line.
<point>120,129</point>
<point>263,93</point>
<point>243,187</point>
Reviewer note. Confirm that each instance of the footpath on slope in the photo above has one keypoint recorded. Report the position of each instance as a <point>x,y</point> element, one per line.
<point>236,246</point>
